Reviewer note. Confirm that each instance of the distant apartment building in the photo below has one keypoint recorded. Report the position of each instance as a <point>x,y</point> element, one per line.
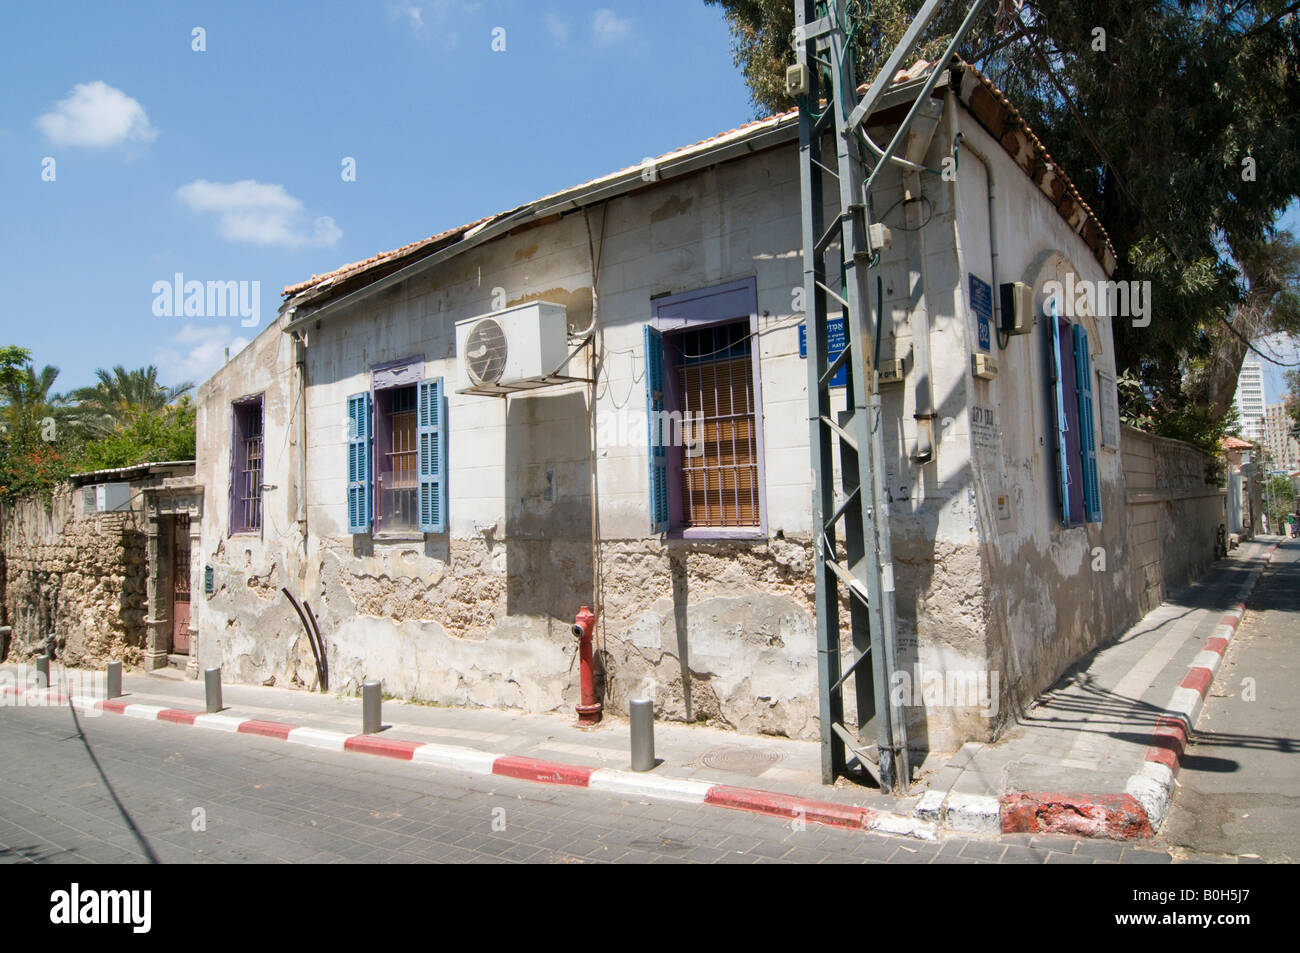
<point>1250,398</point>
<point>1283,449</point>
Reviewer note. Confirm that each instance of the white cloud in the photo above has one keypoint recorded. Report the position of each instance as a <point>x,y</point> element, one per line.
<point>194,353</point>
<point>418,13</point>
<point>607,28</point>
<point>435,17</point>
<point>98,116</point>
<point>261,214</point>
<point>412,13</point>
<point>558,29</point>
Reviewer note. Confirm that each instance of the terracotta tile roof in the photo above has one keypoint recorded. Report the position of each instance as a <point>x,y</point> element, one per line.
<point>356,266</point>
<point>1234,443</point>
<point>976,91</point>
<point>1003,122</point>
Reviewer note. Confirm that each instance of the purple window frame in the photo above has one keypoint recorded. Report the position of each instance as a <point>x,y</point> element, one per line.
<point>726,303</point>
<point>240,412</point>
<point>388,376</point>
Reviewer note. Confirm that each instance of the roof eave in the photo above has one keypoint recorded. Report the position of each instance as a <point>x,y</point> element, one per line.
<point>773,132</point>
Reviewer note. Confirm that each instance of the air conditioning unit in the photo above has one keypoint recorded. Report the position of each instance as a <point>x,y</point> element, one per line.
<point>1017,300</point>
<point>520,348</point>
<point>106,498</point>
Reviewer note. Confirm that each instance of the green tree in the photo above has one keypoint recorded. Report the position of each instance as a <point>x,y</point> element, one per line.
<point>164,434</point>
<point>127,418</point>
<point>122,397</point>
<point>38,446</point>
<point>1279,500</point>
<point>1176,121</point>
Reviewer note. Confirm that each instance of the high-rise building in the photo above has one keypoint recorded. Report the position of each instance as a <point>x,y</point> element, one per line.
<point>1283,449</point>
<point>1250,398</point>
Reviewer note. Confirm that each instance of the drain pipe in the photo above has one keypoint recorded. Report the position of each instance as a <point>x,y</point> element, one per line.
<point>300,435</point>
<point>960,144</point>
<point>923,382</point>
<point>595,252</point>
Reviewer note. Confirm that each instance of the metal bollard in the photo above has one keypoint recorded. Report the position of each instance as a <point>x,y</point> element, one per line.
<point>42,671</point>
<point>212,688</point>
<point>114,679</point>
<point>642,712</point>
<point>371,719</point>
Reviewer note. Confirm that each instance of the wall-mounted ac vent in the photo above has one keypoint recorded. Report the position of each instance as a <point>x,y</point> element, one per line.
<point>105,498</point>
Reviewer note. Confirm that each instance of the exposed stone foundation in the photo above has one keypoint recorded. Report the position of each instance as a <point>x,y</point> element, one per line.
<point>716,632</point>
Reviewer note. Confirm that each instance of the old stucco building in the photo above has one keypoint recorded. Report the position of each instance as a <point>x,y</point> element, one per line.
<point>454,574</point>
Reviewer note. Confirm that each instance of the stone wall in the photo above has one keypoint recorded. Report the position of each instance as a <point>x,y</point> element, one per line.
<point>82,579</point>
<point>1174,512</point>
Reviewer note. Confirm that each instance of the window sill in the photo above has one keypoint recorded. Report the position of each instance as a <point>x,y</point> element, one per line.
<point>398,537</point>
<point>753,533</point>
<point>256,533</point>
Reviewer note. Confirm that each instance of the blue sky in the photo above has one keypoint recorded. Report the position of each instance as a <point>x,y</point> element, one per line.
<point>226,164</point>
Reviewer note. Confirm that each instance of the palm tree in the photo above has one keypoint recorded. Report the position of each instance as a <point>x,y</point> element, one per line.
<point>28,401</point>
<point>122,396</point>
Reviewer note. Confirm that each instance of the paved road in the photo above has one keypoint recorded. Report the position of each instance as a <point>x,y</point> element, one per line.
<point>112,789</point>
<point>1238,788</point>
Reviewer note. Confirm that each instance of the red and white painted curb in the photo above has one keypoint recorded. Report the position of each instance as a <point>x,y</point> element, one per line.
<point>472,761</point>
<point>1141,809</point>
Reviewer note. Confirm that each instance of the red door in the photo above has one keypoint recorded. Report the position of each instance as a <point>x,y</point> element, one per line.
<point>181,585</point>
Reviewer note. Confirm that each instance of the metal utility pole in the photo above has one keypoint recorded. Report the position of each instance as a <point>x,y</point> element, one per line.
<point>860,561</point>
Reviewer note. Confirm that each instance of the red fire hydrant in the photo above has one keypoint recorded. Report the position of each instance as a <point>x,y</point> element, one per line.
<point>583,627</point>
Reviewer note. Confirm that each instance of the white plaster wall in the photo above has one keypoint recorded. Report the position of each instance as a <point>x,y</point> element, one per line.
<point>248,567</point>
<point>1049,606</point>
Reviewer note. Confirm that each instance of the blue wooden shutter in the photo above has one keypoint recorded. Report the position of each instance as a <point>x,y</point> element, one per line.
<point>1058,400</point>
<point>359,463</point>
<point>657,448</point>
<point>1087,436</point>
<point>431,423</point>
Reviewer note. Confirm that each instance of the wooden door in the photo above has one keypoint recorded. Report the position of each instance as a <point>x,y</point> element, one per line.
<point>181,585</point>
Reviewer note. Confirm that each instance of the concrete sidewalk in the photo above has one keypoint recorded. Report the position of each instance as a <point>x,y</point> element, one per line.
<point>1088,736</point>
<point>1096,754</point>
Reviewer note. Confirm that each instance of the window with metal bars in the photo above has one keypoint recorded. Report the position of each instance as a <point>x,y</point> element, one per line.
<point>397,452</point>
<point>714,394</point>
<point>246,467</point>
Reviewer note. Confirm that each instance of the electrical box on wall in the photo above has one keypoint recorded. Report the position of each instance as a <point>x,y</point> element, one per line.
<point>879,237</point>
<point>1017,300</point>
<point>796,80</point>
<point>984,366</point>
<point>892,371</point>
